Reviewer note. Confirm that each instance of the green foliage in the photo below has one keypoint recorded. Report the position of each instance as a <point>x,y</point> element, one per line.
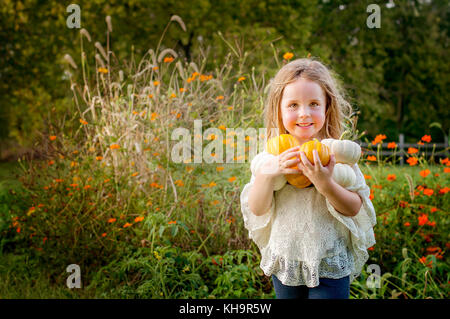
<point>107,197</point>
<point>396,75</point>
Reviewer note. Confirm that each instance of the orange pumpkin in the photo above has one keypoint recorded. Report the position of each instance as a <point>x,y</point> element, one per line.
<point>322,150</point>
<point>278,145</point>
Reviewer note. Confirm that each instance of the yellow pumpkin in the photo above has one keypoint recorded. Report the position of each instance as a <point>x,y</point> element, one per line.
<point>277,145</point>
<point>322,150</point>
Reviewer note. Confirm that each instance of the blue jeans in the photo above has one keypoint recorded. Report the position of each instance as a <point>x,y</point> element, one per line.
<point>327,289</point>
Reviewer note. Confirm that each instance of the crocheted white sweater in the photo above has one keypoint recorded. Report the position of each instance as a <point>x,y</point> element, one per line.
<point>302,237</point>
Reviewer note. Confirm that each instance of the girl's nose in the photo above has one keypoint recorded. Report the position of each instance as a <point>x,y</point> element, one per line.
<point>302,112</point>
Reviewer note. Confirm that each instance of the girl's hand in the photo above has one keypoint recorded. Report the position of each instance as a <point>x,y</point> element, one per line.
<point>281,163</point>
<point>318,174</point>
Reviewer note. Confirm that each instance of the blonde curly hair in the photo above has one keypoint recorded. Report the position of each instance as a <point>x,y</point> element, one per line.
<point>338,109</point>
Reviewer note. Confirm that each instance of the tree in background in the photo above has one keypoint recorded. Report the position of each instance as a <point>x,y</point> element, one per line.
<point>397,75</point>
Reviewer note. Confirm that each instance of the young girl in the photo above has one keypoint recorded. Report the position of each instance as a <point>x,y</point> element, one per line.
<point>313,240</point>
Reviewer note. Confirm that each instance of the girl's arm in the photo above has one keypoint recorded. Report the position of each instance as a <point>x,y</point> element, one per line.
<point>261,194</point>
<point>344,201</point>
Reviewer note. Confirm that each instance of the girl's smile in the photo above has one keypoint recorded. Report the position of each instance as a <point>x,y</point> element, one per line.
<point>303,109</point>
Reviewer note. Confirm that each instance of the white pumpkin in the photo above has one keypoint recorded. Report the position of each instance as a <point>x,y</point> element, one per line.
<point>257,161</point>
<point>344,175</point>
<point>345,151</point>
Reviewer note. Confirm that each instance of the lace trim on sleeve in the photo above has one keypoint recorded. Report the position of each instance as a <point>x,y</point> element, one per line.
<point>361,225</point>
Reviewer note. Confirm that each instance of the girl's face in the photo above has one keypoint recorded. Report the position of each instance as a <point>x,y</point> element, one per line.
<point>303,107</point>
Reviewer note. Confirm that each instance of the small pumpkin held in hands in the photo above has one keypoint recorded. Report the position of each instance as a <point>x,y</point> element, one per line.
<point>277,145</point>
<point>322,150</point>
<point>345,151</point>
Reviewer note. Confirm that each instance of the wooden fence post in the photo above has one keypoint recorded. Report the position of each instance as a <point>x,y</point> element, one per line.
<point>401,145</point>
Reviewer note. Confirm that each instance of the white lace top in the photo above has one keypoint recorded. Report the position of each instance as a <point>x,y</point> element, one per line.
<point>302,237</point>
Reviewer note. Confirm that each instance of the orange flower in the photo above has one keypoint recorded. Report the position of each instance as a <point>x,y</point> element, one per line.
<point>403,204</point>
<point>139,219</point>
<point>423,219</point>
<point>426,138</point>
<point>220,168</point>
<point>444,161</point>
<point>111,220</point>
<point>155,83</point>
<point>432,224</point>
<point>391,177</point>
<point>179,182</point>
<point>288,55</point>
<point>446,169</point>
<point>153,116</point>
<point>102,70</point>
<point>392,145</point>
<point>367,176</point>
<point>412,161</point>
<point>370,248</point>
<point>242,78</point>
<point>173,95</point>
<point>104,235</point>
<point>424,261</point>
<point>378,139</point>
<point>83,122</point>
<point>424,173</point>
<point>51,162</point>
<point>371,158</point>
<point>428,191</point>
<point>407,224</point>
<point>220,97</point>
<point>412,150</point>
<point>433,209</point>
<point>444,190</point>
<point>212,184</point>
<point>172,222</point>
<point>127,225</point>
<point>168,59</point>
<point>87,187</point>
<point>232,179</point>
<point>135,174</point>
<point>52,138</point>
<point>114,146</point>
<point>183,90</point>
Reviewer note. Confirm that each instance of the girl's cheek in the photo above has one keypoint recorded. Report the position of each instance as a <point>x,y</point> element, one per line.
<point>292,117</point>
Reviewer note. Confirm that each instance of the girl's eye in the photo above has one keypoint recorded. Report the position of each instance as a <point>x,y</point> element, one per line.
<point>313,104</point>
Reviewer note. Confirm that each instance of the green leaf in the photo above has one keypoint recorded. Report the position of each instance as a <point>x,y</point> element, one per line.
<point>436,124</point>
<point>174,231</point>
<point>161,230</point>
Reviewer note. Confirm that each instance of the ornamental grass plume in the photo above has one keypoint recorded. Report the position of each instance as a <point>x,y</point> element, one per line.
<point>69,60</point>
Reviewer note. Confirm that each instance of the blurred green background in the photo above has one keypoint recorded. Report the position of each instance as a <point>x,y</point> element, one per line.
<point>397,75</point>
